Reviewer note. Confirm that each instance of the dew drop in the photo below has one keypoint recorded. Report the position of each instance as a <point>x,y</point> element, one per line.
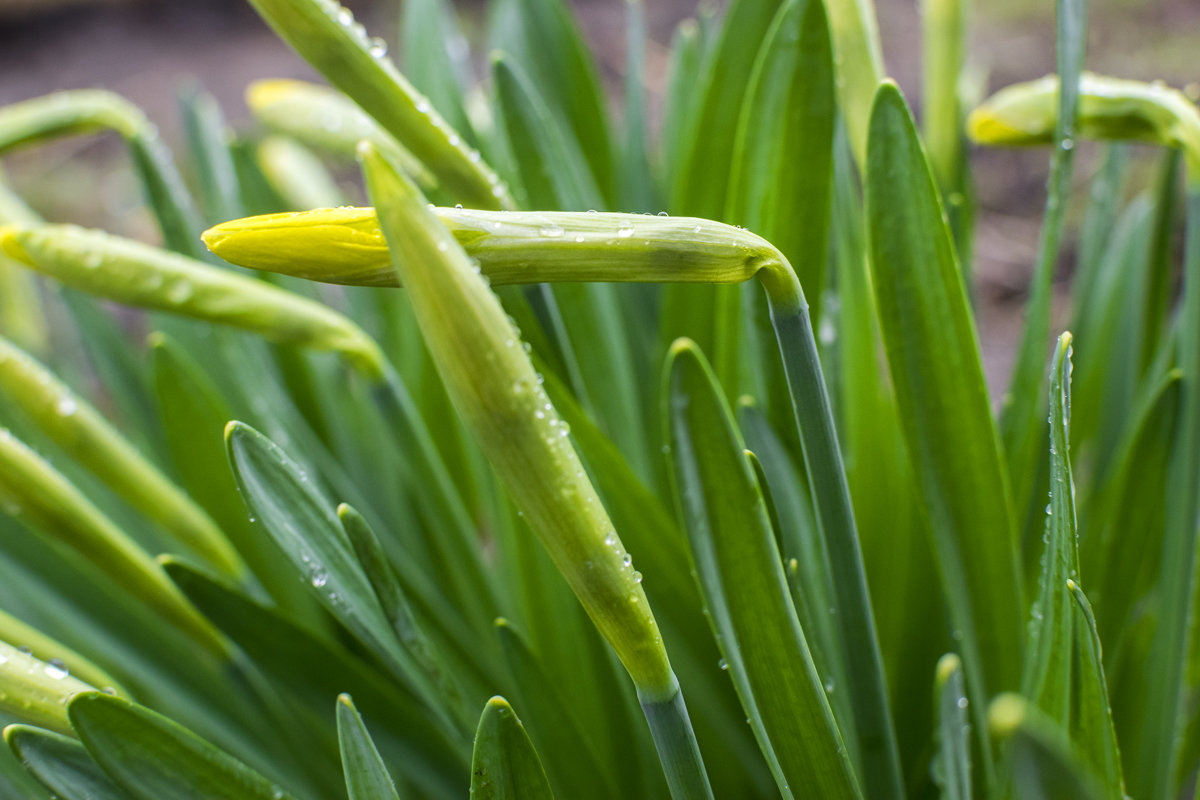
<point>611,539</point>
<point>56,670</point>
<point>637,577</point>
<point>378,47</point>
<point>625,230</point>
<point>723,664</point>
<point>345,16</point>
<point>962,702</point>
<point>627,560</point>
<point>180,292</point>
<point>579,240</point>
<point>551,231</point>
<point>319,579</point>
<point>829,686</point>
<point>66,406</point>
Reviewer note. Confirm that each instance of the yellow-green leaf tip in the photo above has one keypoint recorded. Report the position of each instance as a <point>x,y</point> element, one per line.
<point>1005,714</point>
<point>947,665</point>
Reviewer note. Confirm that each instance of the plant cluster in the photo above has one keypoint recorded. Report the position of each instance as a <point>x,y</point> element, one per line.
<point>701,497</point>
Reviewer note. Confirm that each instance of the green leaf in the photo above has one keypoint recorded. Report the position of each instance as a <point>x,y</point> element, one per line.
<point>49,503</point>
<point>548,47</point>
<point>742,580</point>
<point>312,669</point>
<point>783,159</point>
<point>1046,675</point>
<point>707,141</point>
<point>1038,764</point>
<point>505,765</point>
<point>325,34</point>
<point>1091,716</point>
<point>87,437</point>
<point>306,528</point>
<point>61,764</point>
<point>194,415</point>
<point>297,174</point>
<point>860,67</point>
<point>1021,426</point>
<point>570,749</point>
<point>435,57</point>
<point>152,757</point>
<point>36,691</point>
<point>366,776</point>
<point>933,354</point>
<point>138,274</point>
<point>208,140</point>
<point>952,768</point>
<point>91,110</point>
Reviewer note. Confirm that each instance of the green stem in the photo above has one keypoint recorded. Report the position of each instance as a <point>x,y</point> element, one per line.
<point>1169,652</point>
<point>880,759</point>
<point>675,741</point>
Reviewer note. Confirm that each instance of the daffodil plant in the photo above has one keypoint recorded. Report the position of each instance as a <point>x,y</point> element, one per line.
<point>571,463</point>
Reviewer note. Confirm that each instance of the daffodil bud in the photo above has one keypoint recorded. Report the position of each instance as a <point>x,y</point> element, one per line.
<point>137,274</point>
<point>72,423</point>
<point>346,245</point>
<point>495,389</point>
<point>327,120</point>
<point>1109,108</point>
<point>325,34</point>
<point>32,490</point>
<point>37,691</point>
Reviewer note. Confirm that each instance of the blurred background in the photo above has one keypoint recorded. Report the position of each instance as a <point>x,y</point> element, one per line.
<point>150,50</point>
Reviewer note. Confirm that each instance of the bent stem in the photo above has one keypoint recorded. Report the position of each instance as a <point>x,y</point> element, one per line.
<point>880,759</point>
<point>675,741</point>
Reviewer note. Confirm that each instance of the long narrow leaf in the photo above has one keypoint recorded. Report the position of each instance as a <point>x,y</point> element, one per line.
<point>505,765</point>
<point>933,353</point>
<point>742,580</point>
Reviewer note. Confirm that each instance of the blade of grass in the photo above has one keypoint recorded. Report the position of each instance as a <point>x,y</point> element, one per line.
<point>933,354</point>
<point>741,577</point>
<point>505,765</point>
<point>367,777</point>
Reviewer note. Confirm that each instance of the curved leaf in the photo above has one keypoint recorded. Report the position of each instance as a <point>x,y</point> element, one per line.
<point>152,757</point>
<point>61,764</point>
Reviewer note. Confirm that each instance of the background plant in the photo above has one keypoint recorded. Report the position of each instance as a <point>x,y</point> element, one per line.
<point>826,544</point>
